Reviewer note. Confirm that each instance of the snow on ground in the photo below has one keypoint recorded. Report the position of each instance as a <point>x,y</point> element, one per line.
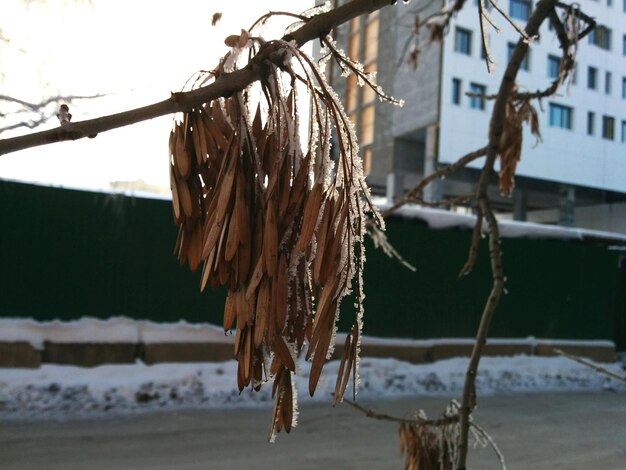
<point>68,392</point>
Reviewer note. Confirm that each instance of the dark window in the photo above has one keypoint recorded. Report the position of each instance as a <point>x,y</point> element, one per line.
<point>607,82</point>
<point>623,132</point>
<point>601,37</point>
<point>624,86</point>
<point>608,127</point>
<point>456,91</point>
<point>560,116</point>
<point>591,123</point>
<point>624,42</point>
<point>592,78</point>
<point>553,66</point>
<point>525,65</point>
<point>463,41</point>
<point>477,102</point>
<point>519,9</point>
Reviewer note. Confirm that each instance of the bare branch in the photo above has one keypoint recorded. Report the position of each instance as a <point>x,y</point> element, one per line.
<point>41,115</point>
<point>411,194</point>
<point>416,420</point>
<point>496,127</point>
<point>480,432</point>
<point>590,364</point>
<point>225,85</point>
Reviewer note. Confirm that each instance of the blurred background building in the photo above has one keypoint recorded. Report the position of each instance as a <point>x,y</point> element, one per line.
<point>576,176</point>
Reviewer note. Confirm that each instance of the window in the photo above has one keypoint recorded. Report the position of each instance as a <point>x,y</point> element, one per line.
<point>591,123</point>
<point>592,78</point>
<point>607,82</point>
<point>609,3</point>
<point>553,66</point>
<point>624,42</point>
<point>519,9</point>
<point>486,4</point>
<point>608,127</point>
<point>624,86</point>
<point>601,37</point>
<point>623,132</point>
<point>477,102</point>
<point>560,116</point>
<point>456,91</point>
<point>525,65</point>
<point>463,41</point>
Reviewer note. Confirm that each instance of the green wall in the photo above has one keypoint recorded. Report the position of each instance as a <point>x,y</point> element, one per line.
<point>554,288</point>
<point>67,254</point>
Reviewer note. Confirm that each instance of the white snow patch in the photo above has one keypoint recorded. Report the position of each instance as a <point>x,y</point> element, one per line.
<point>67,392</point>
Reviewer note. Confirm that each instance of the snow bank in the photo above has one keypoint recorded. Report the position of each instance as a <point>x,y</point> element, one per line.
<point>67,392</point>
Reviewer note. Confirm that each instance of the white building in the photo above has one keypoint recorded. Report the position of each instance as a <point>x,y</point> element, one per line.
<point>575,176</point>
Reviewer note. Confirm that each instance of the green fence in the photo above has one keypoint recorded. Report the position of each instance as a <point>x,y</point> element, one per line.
<point>67,254</point>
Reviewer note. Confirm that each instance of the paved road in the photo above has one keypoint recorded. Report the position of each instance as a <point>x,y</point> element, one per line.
<point>558,431</point>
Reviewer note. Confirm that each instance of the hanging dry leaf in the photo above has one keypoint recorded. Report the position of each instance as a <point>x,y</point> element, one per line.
<point>280,226</point>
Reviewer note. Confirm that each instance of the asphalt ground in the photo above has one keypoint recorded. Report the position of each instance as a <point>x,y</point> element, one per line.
<point>536,431</point>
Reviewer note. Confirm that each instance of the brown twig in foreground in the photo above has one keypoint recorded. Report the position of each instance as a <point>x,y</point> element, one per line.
<point>415,420</point>
<point>496,128</point>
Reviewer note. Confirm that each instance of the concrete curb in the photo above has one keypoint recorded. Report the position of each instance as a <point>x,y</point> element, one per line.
<point>23,354</point>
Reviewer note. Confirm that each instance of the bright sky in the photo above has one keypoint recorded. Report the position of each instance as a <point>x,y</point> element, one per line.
<point>137,52</point>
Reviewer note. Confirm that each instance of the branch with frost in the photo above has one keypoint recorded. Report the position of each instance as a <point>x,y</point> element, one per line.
<point>370,413</point>
<point>485,215</point>
<point>496,129</point>
<point>225,85</point>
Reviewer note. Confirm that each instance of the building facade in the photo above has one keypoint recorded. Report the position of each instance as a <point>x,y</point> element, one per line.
<point>576,175</point>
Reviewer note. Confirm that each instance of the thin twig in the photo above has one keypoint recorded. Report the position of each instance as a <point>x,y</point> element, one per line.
<point>441,172</point>
<point>485,435</point>
<point>29,108</point>
<point>590,364</point>
<point>385,417</point>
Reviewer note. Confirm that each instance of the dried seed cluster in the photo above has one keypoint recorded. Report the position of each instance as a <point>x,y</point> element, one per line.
<point>281,227</point>
<point>431,444</point>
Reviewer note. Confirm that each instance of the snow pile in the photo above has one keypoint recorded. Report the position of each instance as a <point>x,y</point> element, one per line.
<point>67,392</point>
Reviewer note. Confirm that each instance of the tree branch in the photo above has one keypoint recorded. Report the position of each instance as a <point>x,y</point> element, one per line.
<point>224,85</point>
<point>38,109</point>
<point>585,362</point>
<point>496,127</point>
<point>385,417</point>
<point>441,172</point>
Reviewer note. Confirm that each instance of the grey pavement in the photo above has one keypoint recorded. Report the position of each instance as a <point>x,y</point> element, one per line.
<point>539,431</point>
